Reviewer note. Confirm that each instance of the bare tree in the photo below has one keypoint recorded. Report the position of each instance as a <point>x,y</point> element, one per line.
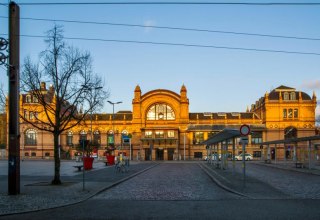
<point>73,84</point>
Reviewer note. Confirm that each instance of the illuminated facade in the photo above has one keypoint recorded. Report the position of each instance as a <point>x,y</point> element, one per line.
<point>160,126</point>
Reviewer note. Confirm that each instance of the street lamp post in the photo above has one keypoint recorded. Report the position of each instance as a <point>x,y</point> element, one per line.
<point>113,103</point>
<point>95,88</point>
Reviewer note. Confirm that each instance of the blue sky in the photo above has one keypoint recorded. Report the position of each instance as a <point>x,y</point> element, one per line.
<point>217,80</point>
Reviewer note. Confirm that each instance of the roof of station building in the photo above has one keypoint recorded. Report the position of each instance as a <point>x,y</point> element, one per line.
<point>222,115</point>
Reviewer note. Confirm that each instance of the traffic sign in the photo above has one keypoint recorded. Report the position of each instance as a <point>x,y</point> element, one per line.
<point>244,130</point>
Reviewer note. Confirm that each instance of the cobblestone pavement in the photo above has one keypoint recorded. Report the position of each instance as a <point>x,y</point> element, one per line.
<point>36,192</point>
<point>297,184</point>
<point>182,190</point>
<point>180,181</point>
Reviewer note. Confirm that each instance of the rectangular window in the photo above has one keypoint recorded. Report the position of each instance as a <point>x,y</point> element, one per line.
<point>211,133</point>
<point>31,115</point>
<point>256,153</point>
<point>256,137</point>
<point>170,134</point>
<point>25,113</point>
<point>198,155</point>
<point>198,137</point>
<point>110,139</point>
<point>96,139</point>
<point>148,134</point>
<point>159,134</point>
<point>284,113</point>
<point>290,113</point>
<point>69,140</point>
<point>295,113</point>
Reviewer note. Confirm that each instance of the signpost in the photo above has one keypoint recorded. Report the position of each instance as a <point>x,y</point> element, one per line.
<point>244,131</point>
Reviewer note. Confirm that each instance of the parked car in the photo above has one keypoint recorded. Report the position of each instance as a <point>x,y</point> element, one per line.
<point>247,157</point>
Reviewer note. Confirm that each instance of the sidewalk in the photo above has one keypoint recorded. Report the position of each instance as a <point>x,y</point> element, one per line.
<point>37,193</point>
<point>283,181</point>
<point>290,165</point>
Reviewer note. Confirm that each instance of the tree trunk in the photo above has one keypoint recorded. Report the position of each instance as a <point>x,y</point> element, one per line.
<point>56,180</point>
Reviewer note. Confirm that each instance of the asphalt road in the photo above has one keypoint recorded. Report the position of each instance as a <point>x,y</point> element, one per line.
<point>177,191</point>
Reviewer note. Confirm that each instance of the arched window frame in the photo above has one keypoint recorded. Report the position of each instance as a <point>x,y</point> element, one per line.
<point>30,137</point>
<point>96,137</point>
<point>285,113</point>
<point>290,132</point>
<point>286,96</point>
<point>160,111</point>
<point>83,135</point>
<point>28,98</point>
<point>69,138</point>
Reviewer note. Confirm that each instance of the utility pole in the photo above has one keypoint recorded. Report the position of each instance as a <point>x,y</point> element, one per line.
<point>13,118</point>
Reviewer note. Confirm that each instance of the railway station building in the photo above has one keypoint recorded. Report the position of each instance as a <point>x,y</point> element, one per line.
<point>160,127</point>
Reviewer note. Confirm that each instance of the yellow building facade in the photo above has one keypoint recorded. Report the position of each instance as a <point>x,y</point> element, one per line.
<point>160,126</point>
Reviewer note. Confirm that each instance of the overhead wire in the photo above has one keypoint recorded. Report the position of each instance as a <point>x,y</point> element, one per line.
<point>180,44</point>
<point>177,3</point>
<point>169,28</point>
<point>175,28</point>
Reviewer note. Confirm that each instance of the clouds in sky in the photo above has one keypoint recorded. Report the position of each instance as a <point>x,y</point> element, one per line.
<point>315,84</point>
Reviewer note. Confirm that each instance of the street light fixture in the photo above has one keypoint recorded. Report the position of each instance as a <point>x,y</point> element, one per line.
<point>113,103</point>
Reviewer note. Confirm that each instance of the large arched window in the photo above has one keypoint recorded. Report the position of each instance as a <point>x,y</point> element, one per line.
<point>290,132</point>
<point>30,137</point>
<point>160,111</point>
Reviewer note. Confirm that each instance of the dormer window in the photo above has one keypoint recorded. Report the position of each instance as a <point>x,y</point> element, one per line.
<point>292,96</point>
<point>28,99</point>
<point>35,99</point>
<point>286,96</point>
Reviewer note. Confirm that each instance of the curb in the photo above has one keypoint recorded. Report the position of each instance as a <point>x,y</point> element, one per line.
<point>220,184</point>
